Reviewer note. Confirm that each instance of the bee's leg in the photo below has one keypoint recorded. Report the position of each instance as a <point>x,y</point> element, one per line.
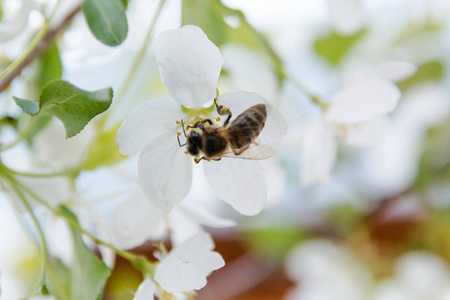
<point>197,160</point>
<point>199,124</point>
<point>221,110</point>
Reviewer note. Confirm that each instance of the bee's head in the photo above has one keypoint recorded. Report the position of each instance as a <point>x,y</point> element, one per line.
<point>193,143</point>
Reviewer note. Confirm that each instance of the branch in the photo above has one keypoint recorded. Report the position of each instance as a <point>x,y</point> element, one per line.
<point>39,49</point>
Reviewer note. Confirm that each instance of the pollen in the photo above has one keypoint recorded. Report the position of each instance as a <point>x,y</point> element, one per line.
<point>218,119</point>
<point>196,160</point>
<point>185,152</point>
<point>178,122</point>
<point>178,133</point>
<point>200,118</point>
<point>191,121</point>
<point>209,160</point>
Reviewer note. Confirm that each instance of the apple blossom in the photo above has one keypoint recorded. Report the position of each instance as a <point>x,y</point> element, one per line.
<point>190,65</point>
<point>354,114</point>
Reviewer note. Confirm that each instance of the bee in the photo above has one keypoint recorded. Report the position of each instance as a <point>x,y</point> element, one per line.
<point>235,139</point>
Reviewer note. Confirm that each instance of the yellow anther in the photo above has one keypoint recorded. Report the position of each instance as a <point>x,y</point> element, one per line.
<point>178,122</point>
<point>196,160</point>
<point>191,121</point>
<point>185,152</point>
<point>178,133</point>
<point>209,160</point>
<point>200,118</point>
<point>218,119</point>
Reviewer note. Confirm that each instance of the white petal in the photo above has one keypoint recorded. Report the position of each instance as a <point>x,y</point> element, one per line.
<point>165,172</point>
<point>147,121</point>
<point>275,127</point>
<point>239,182</point>
<point>393,71</point>
<point>204,217</point>
<point>53,190</point>
<point>134,221</point>
<point>185,268</point>
<point>145,291</point>
<point>367,134</point>
<point>318,153</point>
<point>189,64</point>
<point>347,15</point>
<point>363,100</point>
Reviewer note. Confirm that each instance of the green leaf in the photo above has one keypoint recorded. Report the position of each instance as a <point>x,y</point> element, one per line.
<point>334,46</point>
<point>73,106</point>
<point>51,67</point>
<point>124,3</point>
<point>103,152</point>
<point>28,106</point>
<point>429,71</point>
<point>214,18</point>
<point>88,273</point>
<point>107,20</point>
<point>58,279</point>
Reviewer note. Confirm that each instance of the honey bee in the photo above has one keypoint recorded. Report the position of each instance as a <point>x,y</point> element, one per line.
<point>229,140</point>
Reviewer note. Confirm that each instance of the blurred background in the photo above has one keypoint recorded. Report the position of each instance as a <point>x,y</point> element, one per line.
<point>377,224</point>
<point>380,227</point>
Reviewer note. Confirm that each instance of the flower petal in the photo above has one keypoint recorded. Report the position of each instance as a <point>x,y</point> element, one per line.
<point>275,127</point>
<point>189,64</point>
<point>145,290</point>
<point>363,100</point>
<point>165,172</point>
<point>185,268</point>
<point>134,221</point>
<point>347,15</point>
<point>318,153</point>
<point>148,120</point>
<point>240,183</point>
<point>392,71</point>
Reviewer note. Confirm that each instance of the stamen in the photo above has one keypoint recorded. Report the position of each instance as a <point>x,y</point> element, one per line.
<point>200,118</point>
<point>178,133</point>
<point>185,152</point>
<point>191,121</point>
<point>196,160</point>
<point>209,160</point>
<point>218,119</point>
<point>178,122</point>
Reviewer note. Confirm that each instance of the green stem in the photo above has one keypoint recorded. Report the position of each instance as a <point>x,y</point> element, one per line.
<point>44,253</point>
<point>67,172</point>
<point>27,51</point>
<point>140,262</point>
<point>34,42</point>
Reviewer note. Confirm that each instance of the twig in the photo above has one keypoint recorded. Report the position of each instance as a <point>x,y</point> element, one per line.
<point>41,46</point>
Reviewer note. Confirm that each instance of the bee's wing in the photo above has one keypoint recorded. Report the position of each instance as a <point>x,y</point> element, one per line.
<point>255,151</point>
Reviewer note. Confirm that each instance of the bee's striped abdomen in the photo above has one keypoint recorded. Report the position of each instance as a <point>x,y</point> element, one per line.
<point>247,127</point>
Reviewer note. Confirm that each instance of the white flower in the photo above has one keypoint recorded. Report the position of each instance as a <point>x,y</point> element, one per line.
<point>185,267</point>
<point>418,276</point>
<point>347,15</point>
<point>326,271</point>
<point>19,256</point>
<point>190,65</point>
<point>354,114</point>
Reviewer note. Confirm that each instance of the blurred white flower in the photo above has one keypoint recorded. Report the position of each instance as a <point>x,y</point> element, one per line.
<point>186,266</point>
<point>418,276</point>
<point>190,65</point>
<point>325,271</point>
<point>353,115</point>
<point>347,15</point>
<point>19,257</point>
